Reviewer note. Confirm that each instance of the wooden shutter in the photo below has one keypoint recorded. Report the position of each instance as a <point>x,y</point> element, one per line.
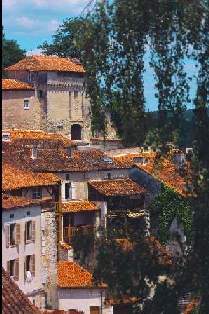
<point>7,235</point>
<point>8,267</point>
<point>25,233</point>
<point>17,234</point>
<point>33,231</point>
<point>33,265</point>
<point>16,276</point>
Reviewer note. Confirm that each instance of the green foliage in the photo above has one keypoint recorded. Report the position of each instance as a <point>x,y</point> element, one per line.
<point>165,300</point>
<point>168,205</point>
<point>11,52</point>
<point>83,245</point>
<point>63,41</point>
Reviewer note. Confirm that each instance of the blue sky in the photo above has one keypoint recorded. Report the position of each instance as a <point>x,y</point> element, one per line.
<point>31,22</point>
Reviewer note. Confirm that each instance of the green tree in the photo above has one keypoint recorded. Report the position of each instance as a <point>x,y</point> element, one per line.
<point>11,52</point>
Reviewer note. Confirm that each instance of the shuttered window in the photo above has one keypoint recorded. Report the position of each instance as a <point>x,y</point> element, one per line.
<point>12,234</point>
<point>30,265</point>
<point>13,268</point>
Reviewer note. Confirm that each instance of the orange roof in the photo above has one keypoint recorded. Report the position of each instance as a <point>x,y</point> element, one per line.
<point>14,178</point>
<point>37,135</point>
<point>78,206</point>
<point>71,275</point>
<point>11,84</point>
<point>117,187</point>
<point>163,169</point>
<point>46,63</point>
<point>13,299</point>
<point>9,202</point>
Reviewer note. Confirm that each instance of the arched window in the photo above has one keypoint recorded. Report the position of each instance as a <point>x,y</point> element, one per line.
<point>75,132</point>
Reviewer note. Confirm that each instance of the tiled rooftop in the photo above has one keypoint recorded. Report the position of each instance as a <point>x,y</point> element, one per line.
<point>46,63</point>
<point>119,187</point>
<point>29,136</point>
<point>163,170</point>
<point>13,299</point>
<point>11,84</point>
<point>9,202</point>
<point>78,206</point>
<point>71,275</point>
<point>14,178</point>
<point>56,159</point>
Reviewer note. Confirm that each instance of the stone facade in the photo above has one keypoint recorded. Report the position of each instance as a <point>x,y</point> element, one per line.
<point>14,115</point>
<point>49,256</point>
<point>62,104</point>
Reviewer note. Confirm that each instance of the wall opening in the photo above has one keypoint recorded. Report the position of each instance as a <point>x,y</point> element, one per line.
<point>75,132</point>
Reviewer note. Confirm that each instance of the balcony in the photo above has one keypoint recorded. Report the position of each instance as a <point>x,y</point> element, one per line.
<point>69,232</point>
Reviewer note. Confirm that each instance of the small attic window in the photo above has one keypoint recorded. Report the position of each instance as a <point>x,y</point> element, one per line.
<point>34,152</point>
<point>6,137</point>
<point>107,160</point>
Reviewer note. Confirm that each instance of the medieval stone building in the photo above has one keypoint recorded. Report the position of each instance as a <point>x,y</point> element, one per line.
<point>54,99</point>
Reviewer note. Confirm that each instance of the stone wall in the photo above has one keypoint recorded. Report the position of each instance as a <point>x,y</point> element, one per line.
<point>13,113</point>
<point>49,256</point>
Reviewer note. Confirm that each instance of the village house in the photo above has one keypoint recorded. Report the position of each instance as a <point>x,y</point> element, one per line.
<point>29,240</point>
<point>73,167</point>
<point>47,93</point>
<point>76,290</point>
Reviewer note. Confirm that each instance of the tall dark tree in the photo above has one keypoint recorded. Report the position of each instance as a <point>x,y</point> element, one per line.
<point>11,52</point>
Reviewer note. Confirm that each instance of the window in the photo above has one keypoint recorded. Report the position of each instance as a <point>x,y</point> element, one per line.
<point>28,213</point>
<point>109,175</point>
<point>5,136</point>
<point>67,176</point>
<point>34,152</point>
<point>67,190</point>
<point>75,94</point>
<point>11,216</point>
<point>29,231</point>
<point>13,268</point>
<point>37,193</point>
<point>29,267</point>
<point>26,104</point>
<point>12,234</point>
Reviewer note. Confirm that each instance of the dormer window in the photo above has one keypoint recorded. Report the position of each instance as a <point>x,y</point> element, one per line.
<point>34,153</point>
<point>26,104</point>
<point>108,160</point>
<point>5,136</point>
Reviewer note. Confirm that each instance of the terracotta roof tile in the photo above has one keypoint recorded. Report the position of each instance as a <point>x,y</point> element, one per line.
<point>9,202</point>
<point>27,136</point>
<point>71,275</point>
<point>117,187</point>
<point>57,159</point>
<point>78,206</point>
<point>11,84</point>
<point>164,170</point>
<point>46,63</point>
<point>14,178</point>
<point>13,299</point>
